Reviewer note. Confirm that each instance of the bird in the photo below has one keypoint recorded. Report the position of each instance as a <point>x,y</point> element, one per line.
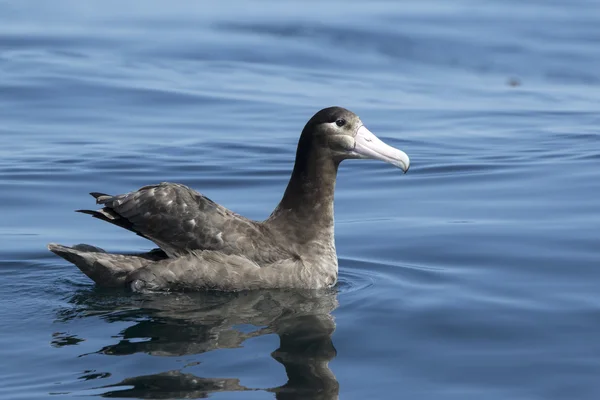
<point>202,245</point>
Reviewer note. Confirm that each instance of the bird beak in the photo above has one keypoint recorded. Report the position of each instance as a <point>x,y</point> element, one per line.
<point>367,145</point>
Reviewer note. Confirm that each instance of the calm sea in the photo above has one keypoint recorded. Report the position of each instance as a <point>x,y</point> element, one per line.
<point>474,276</point>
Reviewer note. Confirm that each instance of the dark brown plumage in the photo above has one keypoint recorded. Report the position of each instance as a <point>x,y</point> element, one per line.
<point>203,245</point>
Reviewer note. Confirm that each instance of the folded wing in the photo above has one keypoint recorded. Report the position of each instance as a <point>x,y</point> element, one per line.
<point>180,220</point>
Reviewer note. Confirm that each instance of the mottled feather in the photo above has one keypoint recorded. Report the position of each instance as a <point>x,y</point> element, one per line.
<point>179,220</point>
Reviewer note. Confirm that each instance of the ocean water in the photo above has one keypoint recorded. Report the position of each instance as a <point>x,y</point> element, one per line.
<point>474,276</point>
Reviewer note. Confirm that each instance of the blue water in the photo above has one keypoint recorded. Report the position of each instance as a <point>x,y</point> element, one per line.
<point>474,276</point>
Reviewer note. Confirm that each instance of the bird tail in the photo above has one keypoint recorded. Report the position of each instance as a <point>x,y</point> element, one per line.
<point>106,269</point>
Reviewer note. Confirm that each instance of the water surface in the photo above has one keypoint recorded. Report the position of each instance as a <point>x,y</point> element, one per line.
<point>473,276</point>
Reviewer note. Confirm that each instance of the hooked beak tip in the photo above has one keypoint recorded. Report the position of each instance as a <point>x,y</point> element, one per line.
<point>406,165</point>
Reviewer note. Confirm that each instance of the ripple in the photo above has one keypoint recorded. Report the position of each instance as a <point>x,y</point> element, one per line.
<point>359,276</point>
<point>351,280</point>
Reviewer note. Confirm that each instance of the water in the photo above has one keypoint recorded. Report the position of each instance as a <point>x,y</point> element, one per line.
<point>473,276</point>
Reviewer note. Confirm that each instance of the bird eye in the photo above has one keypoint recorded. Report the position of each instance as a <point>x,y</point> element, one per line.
<point>340,122</point>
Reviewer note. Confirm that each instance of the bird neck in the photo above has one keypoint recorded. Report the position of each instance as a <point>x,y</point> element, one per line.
<point>306,209</point>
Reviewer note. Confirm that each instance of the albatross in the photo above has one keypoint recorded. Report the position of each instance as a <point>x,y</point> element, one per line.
<point>203,245</point>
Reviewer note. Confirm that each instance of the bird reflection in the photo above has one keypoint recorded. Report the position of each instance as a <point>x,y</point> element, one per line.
<point>184,324</point>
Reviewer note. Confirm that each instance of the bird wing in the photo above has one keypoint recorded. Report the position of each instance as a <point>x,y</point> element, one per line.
<point>179,220</point>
